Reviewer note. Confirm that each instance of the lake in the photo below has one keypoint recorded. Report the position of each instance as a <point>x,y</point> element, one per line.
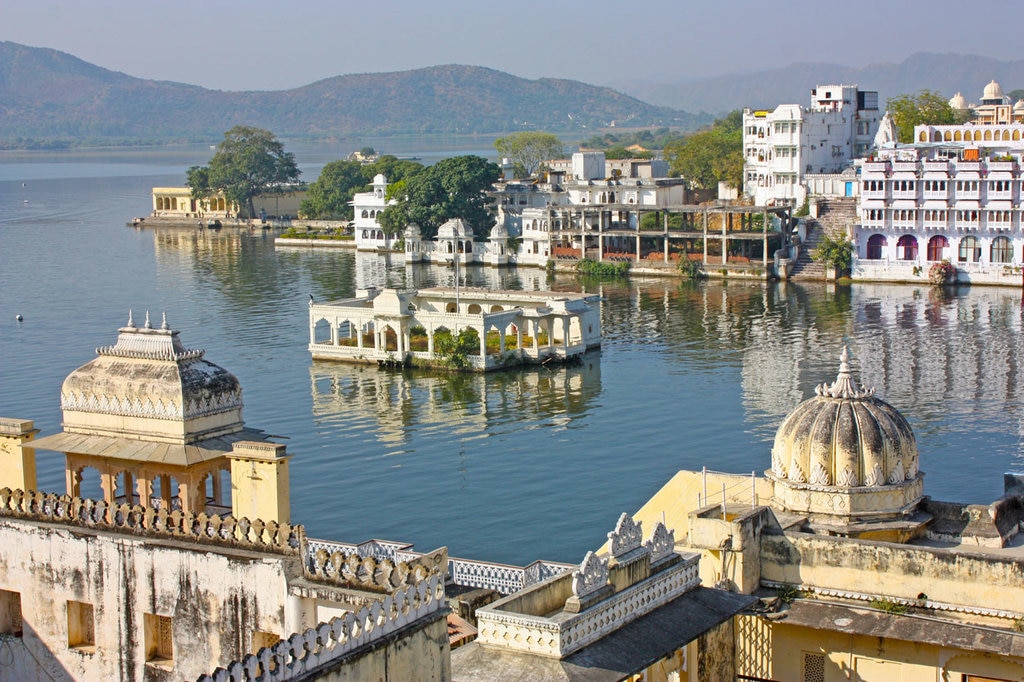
<point>513,467</point>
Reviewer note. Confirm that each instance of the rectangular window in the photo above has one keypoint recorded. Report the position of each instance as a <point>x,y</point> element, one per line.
<point>10,613</point>
<point>159,641</point>
<point>81,625</point>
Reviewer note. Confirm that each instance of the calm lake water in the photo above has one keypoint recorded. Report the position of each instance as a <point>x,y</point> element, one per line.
<point>509,467</point>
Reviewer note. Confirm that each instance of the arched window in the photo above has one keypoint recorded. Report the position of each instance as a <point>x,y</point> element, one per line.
<point>923,137</point>
<point>496,308</point>
<point>474,309</point>
<point>906,248</point>
<point>876,243</point>
<point>365,213</point>
<point>1002,250</point>
<point>970,251</point>
<point>936,246</point>
<point>948,137</point>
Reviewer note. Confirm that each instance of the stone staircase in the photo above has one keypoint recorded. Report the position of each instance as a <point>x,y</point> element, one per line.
<point>834,215</point>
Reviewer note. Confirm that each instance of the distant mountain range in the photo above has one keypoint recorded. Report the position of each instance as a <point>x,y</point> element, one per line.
<point>49,94</point>
<point>945,73</point>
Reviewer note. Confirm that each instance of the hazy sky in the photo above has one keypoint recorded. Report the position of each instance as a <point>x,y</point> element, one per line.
<point>271,44</point>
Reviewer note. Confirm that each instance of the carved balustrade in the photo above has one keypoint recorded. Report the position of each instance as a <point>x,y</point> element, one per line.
<point>295,657</point>
<point>149,521</point>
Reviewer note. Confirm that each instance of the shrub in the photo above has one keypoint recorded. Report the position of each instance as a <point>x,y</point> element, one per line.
<point>588,266</point>
<point>942,272</point>
<point>835,253</point>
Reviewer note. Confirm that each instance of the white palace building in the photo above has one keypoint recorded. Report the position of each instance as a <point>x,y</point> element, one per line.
<point>954,194</point>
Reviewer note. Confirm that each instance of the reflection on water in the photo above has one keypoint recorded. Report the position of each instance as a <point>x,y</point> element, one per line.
<point>537,463</point>
<point>398,405</point>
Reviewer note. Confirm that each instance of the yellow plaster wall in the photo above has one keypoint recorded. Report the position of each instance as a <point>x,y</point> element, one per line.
<point>677,498</point>
<point>968,578</point>
<point>17,462</point>
<point>776,651</point>
<point>260,489</point>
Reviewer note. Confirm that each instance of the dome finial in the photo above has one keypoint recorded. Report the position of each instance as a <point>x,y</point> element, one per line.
<point>164,325</point>
<point>843,387</point>
<point>131,322</point>
<point>147,325</point>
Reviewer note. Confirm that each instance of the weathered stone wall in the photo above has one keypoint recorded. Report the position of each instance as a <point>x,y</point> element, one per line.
<point>216,601</point>
<point>418,653</point>
<point>716,657</point>
<point>954,577</point>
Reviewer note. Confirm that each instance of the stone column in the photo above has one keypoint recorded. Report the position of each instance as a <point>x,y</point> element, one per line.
<point>17,462</point>
<point>144,489</point>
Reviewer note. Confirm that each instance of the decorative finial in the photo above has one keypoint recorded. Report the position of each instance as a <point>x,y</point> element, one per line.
<point>131,322</point>
<point>843,387</point>
<point>147,325</point>
<point>164,325</point>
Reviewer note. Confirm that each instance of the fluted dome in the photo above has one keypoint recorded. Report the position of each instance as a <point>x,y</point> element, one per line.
<point>499,232</point>
<point>992,91</point>
<point>845,452</point>
<point>958,102</point>
<point>1019,106</point>
<point>149,386</point>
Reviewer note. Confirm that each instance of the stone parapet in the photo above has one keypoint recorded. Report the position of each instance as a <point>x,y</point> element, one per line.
<point>564,633</point>
<point>16,427</point>
<point>133,519</point>
<point>372,574</point>
<point>295,657</point>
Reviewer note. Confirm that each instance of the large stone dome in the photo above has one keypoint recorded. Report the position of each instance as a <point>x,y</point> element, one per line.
<point>958,102</point>
<point>149,386</point>
<point>846,453</point>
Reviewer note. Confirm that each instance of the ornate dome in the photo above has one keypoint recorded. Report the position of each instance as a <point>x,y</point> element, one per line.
<point>992,91</point>
<point>149,386</point>
<point>845,452</point>
<point>498,232</point>
<point>1019,106</point>
<point>958,101</point>
<point>455,228</point>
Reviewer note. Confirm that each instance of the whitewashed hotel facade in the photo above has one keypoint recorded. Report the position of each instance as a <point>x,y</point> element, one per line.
<point>784,146</point>
<point>954,195</point>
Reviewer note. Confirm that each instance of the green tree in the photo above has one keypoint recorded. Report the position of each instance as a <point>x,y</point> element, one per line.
<point>248,162</point>
<point>837,253</point>
<point>528,149</point>
<point>924,108</point>
<point>392,167</point>
<point>339,181</point>
<point>456,187</point>
<point>710,156</point>
<point>330,195</point>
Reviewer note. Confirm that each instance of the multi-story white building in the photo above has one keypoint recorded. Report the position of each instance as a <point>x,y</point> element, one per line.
<point>954,194</point>
<point>366,206</point>
<point>784,146</point>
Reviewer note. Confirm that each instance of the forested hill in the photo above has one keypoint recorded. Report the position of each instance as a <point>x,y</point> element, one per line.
<point>46,95</point>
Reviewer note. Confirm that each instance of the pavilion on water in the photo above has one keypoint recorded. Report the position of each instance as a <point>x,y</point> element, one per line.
<point>388,326</point>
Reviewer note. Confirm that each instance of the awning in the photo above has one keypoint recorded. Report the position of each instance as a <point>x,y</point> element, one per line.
<point>170,454</point>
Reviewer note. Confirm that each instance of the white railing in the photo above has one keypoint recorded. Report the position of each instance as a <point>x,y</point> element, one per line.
<point>565,635</point>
